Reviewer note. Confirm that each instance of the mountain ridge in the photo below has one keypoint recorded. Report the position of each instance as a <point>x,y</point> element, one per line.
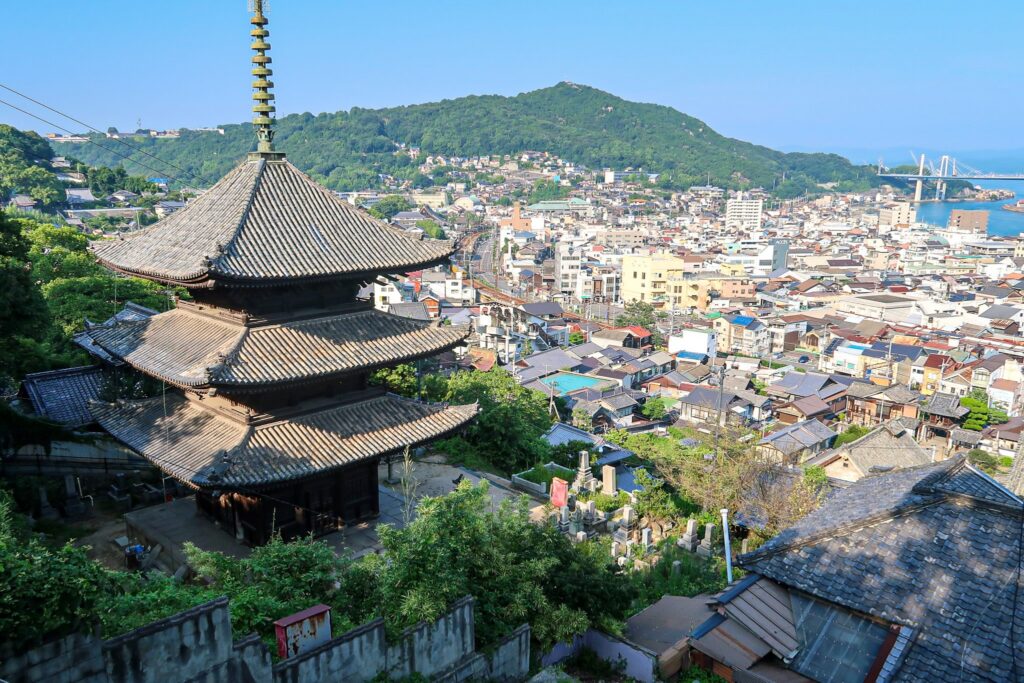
<point>346,150</point>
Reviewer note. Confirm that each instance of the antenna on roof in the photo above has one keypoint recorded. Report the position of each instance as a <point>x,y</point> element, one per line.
<point>262,109</point>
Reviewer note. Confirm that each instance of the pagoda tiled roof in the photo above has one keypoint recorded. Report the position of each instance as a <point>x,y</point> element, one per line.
<point>206,449</point>
<point>267,222</point>
<point>191,349</point>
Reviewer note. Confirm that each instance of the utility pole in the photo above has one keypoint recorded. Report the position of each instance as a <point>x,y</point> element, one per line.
<point>718,417</point>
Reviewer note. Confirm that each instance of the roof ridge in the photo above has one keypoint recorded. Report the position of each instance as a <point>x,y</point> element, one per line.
<point>899,510</point>
<point>244,216</point>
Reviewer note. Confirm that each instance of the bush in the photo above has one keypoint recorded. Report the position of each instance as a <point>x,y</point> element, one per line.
<point>697,575</point>
<point>852,433</point>
<point>541,474</point>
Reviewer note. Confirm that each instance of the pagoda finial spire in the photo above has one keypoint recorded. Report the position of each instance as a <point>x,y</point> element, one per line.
<point>262,108</point>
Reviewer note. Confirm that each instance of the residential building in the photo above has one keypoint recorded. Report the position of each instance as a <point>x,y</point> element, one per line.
<point>745,214</point>
<point>968,220</point>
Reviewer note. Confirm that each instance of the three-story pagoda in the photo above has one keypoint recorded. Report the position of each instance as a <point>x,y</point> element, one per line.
<point>272,420</point>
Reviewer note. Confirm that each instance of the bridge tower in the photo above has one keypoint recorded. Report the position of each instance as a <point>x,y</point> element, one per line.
<point>919,186</point>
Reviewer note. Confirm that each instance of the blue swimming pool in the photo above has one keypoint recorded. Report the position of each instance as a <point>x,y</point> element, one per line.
<point>566,382</point>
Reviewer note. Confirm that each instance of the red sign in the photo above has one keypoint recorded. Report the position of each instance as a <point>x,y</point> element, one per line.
<point>559,492</point>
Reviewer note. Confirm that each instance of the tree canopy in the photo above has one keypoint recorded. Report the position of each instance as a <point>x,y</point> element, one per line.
<point>351,150</point>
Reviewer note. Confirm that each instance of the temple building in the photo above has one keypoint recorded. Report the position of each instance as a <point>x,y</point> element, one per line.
<point>268,413</point>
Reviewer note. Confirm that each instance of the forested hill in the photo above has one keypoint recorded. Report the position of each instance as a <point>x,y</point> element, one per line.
<point>346,150</point>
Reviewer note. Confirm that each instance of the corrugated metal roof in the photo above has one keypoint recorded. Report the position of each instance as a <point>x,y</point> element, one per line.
<point>266,220</point>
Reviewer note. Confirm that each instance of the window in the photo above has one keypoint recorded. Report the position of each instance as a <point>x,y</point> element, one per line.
<point>836,645</point>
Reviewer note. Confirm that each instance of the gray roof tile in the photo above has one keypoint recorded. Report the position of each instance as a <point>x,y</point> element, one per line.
<point>266,220</point>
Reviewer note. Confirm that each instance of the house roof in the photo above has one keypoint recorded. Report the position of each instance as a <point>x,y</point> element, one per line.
<point>944,405</point>
<point>416,310</point>
<point>204,448</point>
<point>63,395</point>
<point>267,221</point>
<point>797,437</point>
<point>708,397</point>
<point>890,445</point>
<point>936,548</point>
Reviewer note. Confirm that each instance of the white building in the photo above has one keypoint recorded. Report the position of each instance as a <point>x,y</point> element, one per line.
<point>567,268</point>
<point>696,341</point>
<point>745,214</point>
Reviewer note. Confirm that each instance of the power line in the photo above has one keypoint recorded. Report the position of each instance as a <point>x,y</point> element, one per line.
<point>97,130</point>
<point>59,127</point>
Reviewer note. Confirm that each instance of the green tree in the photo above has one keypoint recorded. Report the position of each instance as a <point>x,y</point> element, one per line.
<point>576,338</point>
<point>431,229</point>
<point>655,408</point>
<point>388,206</point>
<point>44,592</point>
<point>511,420</point>
<point>516,570</point>
<point>544,190</point>
<point>641,314</point>
<point>852,433</point>
<point>24,317</point>
<point>399,379</point>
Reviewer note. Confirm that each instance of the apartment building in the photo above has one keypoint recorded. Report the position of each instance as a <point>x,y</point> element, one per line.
<point>568,260</point>
<point>745,214</point>
<point>968,221</point>
<point>898,215</point>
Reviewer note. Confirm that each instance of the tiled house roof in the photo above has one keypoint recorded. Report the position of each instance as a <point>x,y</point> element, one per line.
<point>936,548</point>
<point>63,395</point>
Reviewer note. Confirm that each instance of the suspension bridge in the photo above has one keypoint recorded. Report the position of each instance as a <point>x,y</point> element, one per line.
<point>947,169</point>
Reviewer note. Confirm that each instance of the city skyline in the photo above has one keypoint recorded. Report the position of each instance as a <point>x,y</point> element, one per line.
<point>769,75</point>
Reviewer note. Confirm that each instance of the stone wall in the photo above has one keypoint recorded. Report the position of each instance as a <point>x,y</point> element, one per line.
<point>197,645</point>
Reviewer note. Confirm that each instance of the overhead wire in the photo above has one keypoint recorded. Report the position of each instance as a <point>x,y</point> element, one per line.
<point>112,151</point>
<point>137,148</point>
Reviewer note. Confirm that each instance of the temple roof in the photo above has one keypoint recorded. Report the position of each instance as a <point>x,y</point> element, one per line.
<point>267,222</point>
<point>205,449</point>
<point>191,349</point>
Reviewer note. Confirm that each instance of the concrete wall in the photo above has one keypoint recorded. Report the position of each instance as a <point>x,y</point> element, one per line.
<point>197,646</point>
<point>638,662</point>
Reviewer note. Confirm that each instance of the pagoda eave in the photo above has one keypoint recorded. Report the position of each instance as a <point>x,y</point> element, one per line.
<point>208,451</point>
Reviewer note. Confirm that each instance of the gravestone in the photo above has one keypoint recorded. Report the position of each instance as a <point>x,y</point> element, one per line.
<point>609,480</point>
<point>645,538</point>
<point>583,474</point>
<point>707,544</point>
<point>628,516</point>
<point>677,567</point>
<point>690,539</point>
<point>591,511</point>
<point>581,536</point>
<point>73,505</point>
<point>615,548</point>
<point>629,547</point>
<point>46,511</point>
<point>563,519</point>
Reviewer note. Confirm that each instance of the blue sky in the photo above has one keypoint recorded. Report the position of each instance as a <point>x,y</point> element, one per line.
<point>858,78</point>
